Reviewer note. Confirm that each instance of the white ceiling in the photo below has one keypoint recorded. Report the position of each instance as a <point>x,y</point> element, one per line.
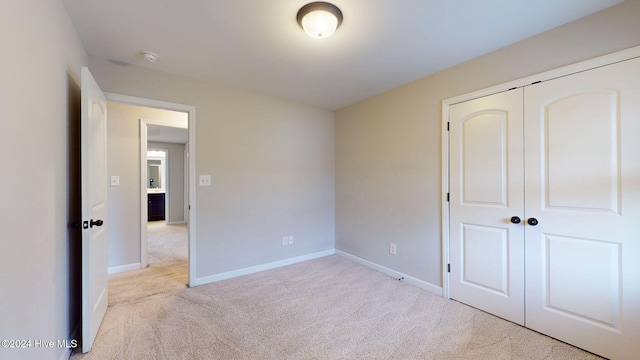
<point>257,44</point>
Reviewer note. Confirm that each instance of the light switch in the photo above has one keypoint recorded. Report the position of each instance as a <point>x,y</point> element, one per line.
<point>115,180</point>
<point>205,180</point>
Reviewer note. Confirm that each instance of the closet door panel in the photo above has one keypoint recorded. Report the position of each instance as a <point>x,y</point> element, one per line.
<point>486,249</point>
<point>581,141</point>
<point>582,180</point>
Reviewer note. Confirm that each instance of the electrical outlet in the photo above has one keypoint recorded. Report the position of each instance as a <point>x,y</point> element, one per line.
<point>115,180</point>
<point>290,240</point>
<point>392,248</point>
<point>205,180</point>
<point>285,241</point>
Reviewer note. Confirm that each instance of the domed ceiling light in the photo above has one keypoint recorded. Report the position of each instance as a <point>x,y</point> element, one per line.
<point>319,19</point>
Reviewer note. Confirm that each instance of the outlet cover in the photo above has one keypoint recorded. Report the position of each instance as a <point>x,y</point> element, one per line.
<point>290,240</point>
<point>392,248</point>
<point>205,180</point>
<point>115,180</point>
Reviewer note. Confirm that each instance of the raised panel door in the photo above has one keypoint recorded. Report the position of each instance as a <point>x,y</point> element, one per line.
<point>583,186</point>
<point>486,179</point>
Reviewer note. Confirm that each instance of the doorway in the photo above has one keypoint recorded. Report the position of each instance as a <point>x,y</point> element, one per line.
<point>164,191</point>
<point>187,205</point>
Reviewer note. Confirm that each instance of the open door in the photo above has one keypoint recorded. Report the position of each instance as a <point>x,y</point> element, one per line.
<point>94,208</point>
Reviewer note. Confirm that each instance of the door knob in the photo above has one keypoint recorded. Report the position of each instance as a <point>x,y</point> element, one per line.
<point>515,220</point>
<point>532,221</point>
<point>95,223</point>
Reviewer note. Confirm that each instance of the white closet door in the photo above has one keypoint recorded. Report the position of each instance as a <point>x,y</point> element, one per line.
<point>486,179</point>
<point>582,158</point>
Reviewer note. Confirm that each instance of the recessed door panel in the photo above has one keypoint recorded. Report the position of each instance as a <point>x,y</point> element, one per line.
<point>584,287</point>
<point>485,258</point>
<point>581,142</point>
<point>484,141</point>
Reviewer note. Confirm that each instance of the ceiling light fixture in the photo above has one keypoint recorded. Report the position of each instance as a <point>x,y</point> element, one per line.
<point>319,19</point>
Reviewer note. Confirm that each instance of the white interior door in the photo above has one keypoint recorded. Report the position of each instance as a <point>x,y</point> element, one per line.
<point>486,180</point>
<point>94,208</point>
<point>583,187</point>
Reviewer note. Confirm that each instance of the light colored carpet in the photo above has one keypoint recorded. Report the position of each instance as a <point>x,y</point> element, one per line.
<point>328,308</point>
<point>167,244</point>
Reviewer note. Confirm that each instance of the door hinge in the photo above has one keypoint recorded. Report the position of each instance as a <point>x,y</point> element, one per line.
<point>536,82</point>
<point>448,268</point>
<point>447,197</point>
<point>448,123</point>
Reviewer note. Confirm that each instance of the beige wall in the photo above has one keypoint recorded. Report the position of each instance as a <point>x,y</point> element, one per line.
<point>175,176</point>
<point>40,60</point>
<point>388,148</point>
<point>123,159</point>
<point>271,163</point>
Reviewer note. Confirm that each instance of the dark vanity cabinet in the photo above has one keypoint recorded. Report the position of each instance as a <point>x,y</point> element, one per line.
<point>156,207</point>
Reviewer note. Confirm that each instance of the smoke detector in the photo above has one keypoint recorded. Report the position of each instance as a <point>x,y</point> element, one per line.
<point>149,56</point>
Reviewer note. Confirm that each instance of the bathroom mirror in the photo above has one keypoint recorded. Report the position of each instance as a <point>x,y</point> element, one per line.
<point>156,178</point>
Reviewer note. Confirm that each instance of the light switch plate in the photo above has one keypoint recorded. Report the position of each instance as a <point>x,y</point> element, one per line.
<point>115,180</point>
<point>205,180</point>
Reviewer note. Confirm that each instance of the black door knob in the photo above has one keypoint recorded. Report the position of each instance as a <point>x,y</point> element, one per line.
<point>532,221</point>
<point>95,223</point>
<point>515,220</point>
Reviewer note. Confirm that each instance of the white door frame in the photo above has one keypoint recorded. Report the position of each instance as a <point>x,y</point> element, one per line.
<point>622,55</point>
<point>191,110</point>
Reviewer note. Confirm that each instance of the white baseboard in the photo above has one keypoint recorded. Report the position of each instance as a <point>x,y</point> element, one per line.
<point>437,290</point>
<point>259,268</point>
<point>123,268</point>
<point>396,274</point>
